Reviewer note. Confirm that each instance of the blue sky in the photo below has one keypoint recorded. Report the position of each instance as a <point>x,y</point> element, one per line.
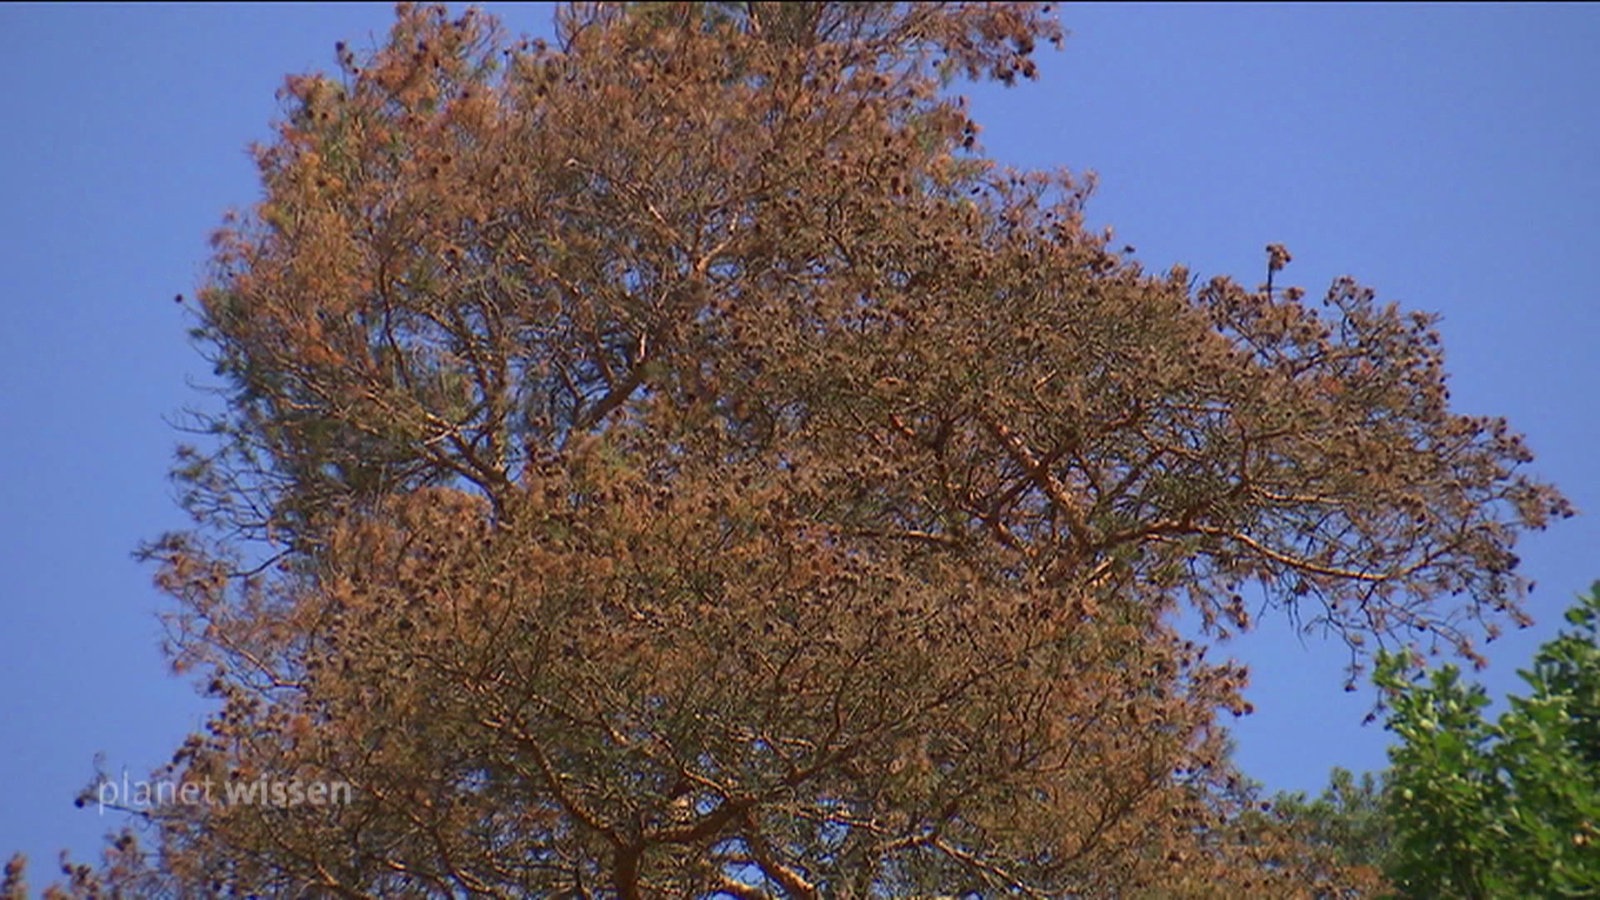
<point>1447,155</point>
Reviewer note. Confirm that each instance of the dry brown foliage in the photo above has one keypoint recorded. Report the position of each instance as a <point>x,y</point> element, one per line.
<point>688,466</point>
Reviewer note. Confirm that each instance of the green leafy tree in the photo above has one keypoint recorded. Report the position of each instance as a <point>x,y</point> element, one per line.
<point>1348,821</point>
<point>1509,808</point>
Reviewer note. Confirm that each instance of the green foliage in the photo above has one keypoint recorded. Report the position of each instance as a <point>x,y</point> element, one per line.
<point>1348,819</point>
<point>1470,807</point>
<point>1503,809</point>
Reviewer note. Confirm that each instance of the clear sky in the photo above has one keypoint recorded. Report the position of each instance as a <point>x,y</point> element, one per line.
<point>1447,155</point>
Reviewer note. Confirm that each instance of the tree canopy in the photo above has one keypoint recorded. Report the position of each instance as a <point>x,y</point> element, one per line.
<point>676,462</point>
<point>1471,807</point>
<point>1503,808</point>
